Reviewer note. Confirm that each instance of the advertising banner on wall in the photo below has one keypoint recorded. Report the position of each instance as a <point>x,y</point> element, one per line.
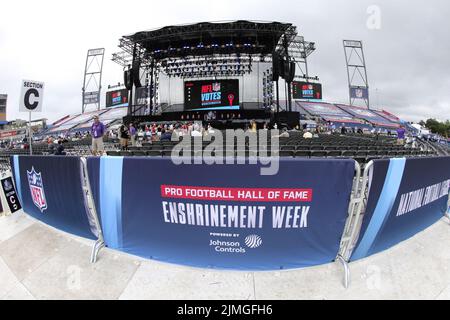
<point>223,216</point>
<point>50,190</point>
<point>406,196</point>
<point>91,97</point>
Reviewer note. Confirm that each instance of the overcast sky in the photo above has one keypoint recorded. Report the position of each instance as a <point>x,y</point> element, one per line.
<point>407,49</point>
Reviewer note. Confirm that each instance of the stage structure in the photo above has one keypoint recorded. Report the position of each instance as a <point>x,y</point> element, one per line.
<point>299,51</point>
<point>229,68</point>
<point>358,83</point>
<point>92,83</point>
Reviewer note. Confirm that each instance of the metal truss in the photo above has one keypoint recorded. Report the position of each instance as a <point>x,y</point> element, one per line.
<point>299,51</point>
<point>208,66</point>
<point>201,56</point>
<point>92,83</point>
<point>356,70</point>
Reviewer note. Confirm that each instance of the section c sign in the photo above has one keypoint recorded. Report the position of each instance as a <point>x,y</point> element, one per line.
<point>31,96</point>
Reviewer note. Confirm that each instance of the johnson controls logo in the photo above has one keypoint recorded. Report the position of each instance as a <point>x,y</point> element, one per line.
<point>232,244</point>
<point>253,241</point>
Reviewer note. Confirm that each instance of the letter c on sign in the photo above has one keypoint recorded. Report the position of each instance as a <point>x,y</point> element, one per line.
<point>28,105</point>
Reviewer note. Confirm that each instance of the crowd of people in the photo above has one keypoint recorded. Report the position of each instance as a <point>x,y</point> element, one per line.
<point>149,133</point>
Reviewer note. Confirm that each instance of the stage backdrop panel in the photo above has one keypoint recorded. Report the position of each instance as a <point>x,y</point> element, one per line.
<point>224,216</point>
<point>50,190</point>
<point>406,196</point>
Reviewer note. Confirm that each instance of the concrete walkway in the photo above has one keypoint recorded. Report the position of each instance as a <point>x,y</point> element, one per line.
<point>38,262</point>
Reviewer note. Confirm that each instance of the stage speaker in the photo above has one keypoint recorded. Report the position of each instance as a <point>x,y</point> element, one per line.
<point>275,66</point>
<point>284,65</point>
<point>289,77</point>
<point>127,79</point>
<point>135,73</point>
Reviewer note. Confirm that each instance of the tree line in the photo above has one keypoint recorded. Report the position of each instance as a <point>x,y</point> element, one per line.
<point>437,127</point>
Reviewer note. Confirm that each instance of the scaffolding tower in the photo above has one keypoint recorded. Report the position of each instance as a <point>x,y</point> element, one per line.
<point>92,83</point>
<point>356,72</point>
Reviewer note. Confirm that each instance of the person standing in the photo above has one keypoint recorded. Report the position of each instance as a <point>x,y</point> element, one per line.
<point>97,133</point>
<point>401,135</point>
<point>124,136</point>
<point>132,131</point>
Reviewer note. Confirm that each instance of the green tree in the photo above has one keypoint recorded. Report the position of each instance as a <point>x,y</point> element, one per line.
<point>435,126</point>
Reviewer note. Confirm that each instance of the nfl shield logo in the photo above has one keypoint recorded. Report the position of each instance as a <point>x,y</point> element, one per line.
<point>359,93</point>
<point>37,189</point>
<point>216,86</point>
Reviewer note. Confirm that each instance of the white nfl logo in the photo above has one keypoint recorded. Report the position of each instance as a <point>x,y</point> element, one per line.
<point>216,86</point>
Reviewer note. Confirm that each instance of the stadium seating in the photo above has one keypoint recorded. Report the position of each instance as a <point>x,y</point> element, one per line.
<point>361,148</point>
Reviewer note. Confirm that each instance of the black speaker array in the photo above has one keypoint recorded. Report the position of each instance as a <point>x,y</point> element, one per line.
<point>282,68</point>
<point>127,80</point>
<point>132,76</point>
<point>289,77</point>
<point>136,74</point>
<point>275,66</point>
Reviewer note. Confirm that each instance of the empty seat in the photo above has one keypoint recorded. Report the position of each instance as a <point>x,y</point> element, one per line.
<point>113,153</point>
<point>167,147</point>
<point>154,153</point>
<point>392,153</point>
<point>361,154</point>
<point>318,153</point>
<point>302,154</point>
<point>166,152</point>
<point>139,153</point>
<point>349,153</point>
<point>334,153</point>
<point>286,153</point>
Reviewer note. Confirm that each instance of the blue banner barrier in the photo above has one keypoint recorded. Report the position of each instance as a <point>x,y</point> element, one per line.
<point>406,196</point>
<point>50,190</point>
<point>223,216</point>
